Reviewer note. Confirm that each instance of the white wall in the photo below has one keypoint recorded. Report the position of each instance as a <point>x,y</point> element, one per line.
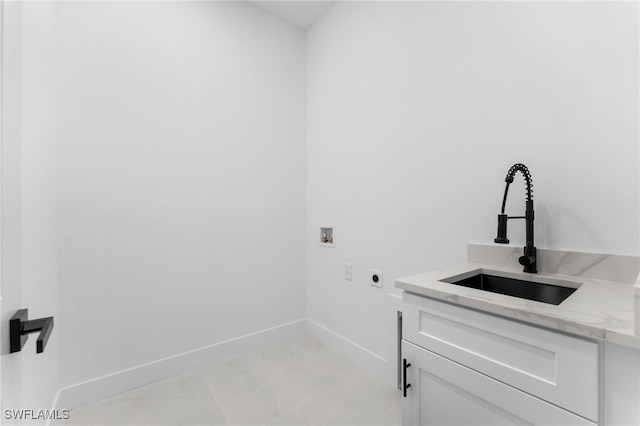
<point>416,111</point>
<point>29,198</point>
<point>182,179</point>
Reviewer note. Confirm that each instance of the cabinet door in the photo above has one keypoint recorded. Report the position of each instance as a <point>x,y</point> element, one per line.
<point>443,392</point>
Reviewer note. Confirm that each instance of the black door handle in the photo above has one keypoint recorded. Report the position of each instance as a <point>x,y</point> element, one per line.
<point>20,327</point>
<point>405,385</point>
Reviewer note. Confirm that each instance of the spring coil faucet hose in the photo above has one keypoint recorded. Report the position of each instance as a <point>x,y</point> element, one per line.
<point>518,167</point>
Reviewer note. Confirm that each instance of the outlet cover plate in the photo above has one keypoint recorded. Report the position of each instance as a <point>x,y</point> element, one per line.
<point>375,278</point>
<point>348,275</point>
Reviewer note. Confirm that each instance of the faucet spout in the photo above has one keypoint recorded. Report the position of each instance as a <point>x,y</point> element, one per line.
<point>529,257</point>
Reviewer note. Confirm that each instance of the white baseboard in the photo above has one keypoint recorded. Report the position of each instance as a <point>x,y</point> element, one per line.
<point>125,380</point>
<point>365,358</point>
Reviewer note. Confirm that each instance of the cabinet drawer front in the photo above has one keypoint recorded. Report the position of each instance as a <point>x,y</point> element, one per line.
<point>555,367</point>
<point>444,392</point>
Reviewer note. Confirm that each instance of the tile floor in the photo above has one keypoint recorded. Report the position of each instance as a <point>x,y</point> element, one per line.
<point>294,382</point>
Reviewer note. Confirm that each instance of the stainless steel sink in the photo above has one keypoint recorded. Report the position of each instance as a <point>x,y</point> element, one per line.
<point>531,290</point>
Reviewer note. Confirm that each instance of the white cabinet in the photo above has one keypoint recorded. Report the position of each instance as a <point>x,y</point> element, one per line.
<point>472,368</point>
<point>621,385</point>
<point>443,392</point>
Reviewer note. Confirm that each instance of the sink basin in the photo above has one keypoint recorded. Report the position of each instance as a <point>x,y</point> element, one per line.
<point>538,291</point>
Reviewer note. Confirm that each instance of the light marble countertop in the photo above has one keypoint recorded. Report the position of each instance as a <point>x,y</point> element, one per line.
<point>598,309</point>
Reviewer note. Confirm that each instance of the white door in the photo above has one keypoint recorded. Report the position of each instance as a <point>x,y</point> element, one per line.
<point>28,211</point>
<point>11,292</point>
<point>443,392</point>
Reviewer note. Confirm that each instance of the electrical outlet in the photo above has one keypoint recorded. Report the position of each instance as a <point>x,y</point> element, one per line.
<point>376,278</point>
<point>347,272</point>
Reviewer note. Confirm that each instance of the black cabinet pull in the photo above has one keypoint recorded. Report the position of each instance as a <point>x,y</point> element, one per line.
<point>405,385</point>
<point>20,327</point>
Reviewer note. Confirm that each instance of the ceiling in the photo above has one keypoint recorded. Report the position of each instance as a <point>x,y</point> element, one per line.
<point>302,13</point>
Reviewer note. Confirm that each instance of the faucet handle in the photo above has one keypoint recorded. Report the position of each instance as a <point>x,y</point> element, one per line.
<point>529,262</point>
<point>526,260</point>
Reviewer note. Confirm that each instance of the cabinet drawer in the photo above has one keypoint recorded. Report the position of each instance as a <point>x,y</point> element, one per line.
<point>557,368</point>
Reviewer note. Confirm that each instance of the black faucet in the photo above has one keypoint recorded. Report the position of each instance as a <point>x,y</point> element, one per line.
<point>528,260</point>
